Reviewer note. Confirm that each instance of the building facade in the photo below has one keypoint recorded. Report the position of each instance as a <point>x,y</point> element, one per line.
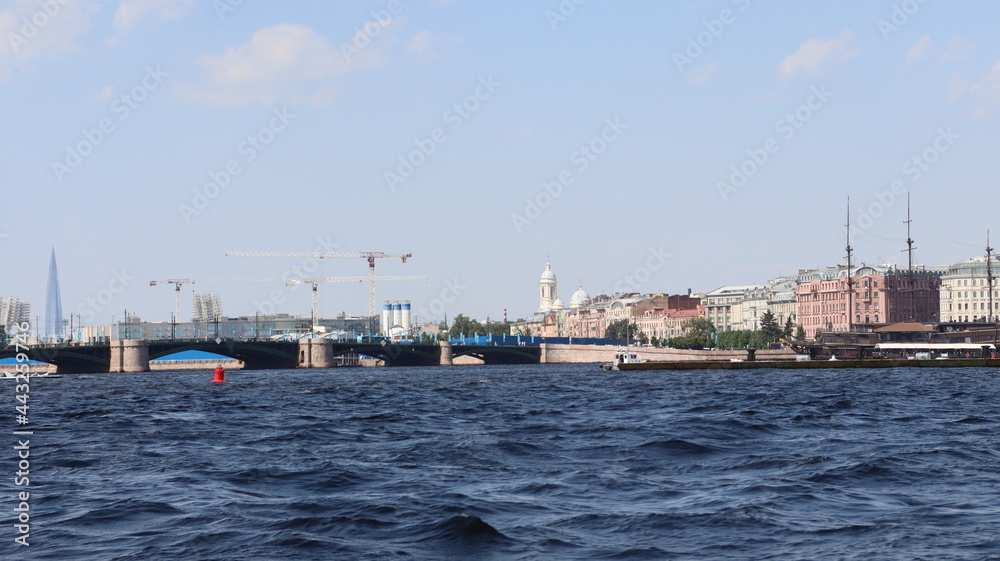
<point>966,292</point>
<point>206,307</point>
<point>13,311</point>
<point>830,300</point>
<point>724,306</point>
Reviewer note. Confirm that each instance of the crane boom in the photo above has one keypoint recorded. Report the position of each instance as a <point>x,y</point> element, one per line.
<point>178,282</point>
<point>371,256</point>
<point>315,282</point>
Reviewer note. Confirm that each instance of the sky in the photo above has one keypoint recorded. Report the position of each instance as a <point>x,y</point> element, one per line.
<point>639,146</point>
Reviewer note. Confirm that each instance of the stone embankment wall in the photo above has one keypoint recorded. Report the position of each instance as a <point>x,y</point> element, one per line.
<point>207,365</point>
<point>570,354</point>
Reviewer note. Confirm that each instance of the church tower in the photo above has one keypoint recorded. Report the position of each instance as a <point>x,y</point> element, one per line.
<point>546,289</point>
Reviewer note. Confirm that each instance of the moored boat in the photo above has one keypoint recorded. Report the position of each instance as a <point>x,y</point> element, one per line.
<point>622,356</point>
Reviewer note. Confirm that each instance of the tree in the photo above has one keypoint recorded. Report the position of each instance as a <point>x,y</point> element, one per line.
<point>770,330</point>
<point>497,329</point>
<point>620,329</point>
<point>800,333</point>
<point>699,327</point>
<point>463,326</point>
<point>643,339</point>
<point>686,342</point>
<point>789,327</point>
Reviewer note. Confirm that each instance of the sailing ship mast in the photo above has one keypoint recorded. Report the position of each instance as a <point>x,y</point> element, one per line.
<point>989,285</point>
<point>850,277</point>
<point>989,273</point>
<point>909,250</point>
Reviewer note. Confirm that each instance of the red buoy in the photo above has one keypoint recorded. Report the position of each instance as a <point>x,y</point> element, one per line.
<point>220,374</point>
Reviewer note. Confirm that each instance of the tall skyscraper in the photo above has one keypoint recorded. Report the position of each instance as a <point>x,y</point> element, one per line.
<point>53,302</point>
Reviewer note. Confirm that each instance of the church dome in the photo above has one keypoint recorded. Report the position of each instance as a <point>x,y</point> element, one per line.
<point>547,274</point>
<point>558,304</point>
<point>580,298</point>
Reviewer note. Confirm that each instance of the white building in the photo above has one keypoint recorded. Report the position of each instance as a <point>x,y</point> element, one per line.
<point>724,306</point>
<point>206,307</point>
<point>965,291</point>
<point>13,311</point>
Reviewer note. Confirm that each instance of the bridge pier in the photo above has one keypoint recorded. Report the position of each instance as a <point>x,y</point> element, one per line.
<point>315,353</point>
<point>129,356</point>
<point>446,356</point>
<point>544,358</point>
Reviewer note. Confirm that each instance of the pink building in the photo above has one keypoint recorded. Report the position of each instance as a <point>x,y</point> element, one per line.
<point>878,296</point>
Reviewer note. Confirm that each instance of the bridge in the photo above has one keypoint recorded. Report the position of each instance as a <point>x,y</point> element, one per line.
<point>134,355</point>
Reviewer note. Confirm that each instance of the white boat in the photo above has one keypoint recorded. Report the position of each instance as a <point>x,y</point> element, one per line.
<point>8,375</point>
<point>622,356</point>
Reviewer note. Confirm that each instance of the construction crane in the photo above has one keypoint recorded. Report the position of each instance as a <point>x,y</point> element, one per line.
<point>178,282</point>
<point>315,282</point>
<point>371,256</point>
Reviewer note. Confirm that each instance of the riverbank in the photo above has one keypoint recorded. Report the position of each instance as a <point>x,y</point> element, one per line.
<point>812,364</point>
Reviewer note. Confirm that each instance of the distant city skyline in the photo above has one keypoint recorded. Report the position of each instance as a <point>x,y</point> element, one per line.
<point>649,147</point>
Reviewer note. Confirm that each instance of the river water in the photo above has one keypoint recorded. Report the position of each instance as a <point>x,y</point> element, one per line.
<point>548,462</point>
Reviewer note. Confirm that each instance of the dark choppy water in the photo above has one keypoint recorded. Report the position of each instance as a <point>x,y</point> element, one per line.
<point>527,462</point>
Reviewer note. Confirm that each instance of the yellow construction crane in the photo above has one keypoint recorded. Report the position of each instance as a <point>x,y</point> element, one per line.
<point>178,282</point>
<point>371,256</point>
<point>315,282</point>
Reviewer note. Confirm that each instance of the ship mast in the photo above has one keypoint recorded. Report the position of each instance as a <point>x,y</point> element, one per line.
<point>989,283</point>
<point>909,251</point>
<point>989,272</point>
<point>850,277</point>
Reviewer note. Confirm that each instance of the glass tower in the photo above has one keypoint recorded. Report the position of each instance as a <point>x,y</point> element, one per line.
<point>53,302</point>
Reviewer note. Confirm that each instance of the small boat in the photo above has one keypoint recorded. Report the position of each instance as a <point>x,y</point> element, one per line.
<point>622,356</point>
<point>6,375</point>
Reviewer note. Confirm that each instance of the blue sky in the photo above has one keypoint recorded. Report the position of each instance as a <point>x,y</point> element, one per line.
<point>646,146</point>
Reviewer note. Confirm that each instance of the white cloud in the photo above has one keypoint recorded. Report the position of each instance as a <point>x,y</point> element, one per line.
<point>31,33</point>
<point>131,11</point>
<point>422,45</point>
<point>919,49</point>
<point>959,49</point>
<point>815,54</point>
<point>699,76</point>
<point>985,92</point>
<point>107,94</point>
<point>289,62</point>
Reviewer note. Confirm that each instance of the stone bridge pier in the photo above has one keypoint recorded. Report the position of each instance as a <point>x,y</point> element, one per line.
<point>129,356</point>
<point>446,353</point>
<point>315,353</point>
